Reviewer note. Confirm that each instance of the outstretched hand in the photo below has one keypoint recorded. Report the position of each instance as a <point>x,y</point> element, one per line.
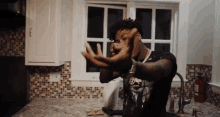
<point>120,60</point>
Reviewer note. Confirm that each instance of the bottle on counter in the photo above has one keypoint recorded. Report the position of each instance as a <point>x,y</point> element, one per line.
<point>172,103</point>
<point>199,89</point>
<point>171,109</point>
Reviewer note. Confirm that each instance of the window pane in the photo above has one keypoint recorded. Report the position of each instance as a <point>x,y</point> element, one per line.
<point>162,47</point>
<point>144,16</point>
<point>148,45</point>
<point>95,22</point>
<point>163,24</point>
<point>114,15</point>
<point>108,48</point>
<point>89,66</point>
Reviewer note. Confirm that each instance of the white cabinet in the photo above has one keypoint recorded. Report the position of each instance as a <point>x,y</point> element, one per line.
<point>48,32</point>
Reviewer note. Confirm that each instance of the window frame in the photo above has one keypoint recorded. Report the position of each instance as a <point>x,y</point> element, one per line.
<point>153,41</point>
<point>104,40</point>
<point>174,30</point>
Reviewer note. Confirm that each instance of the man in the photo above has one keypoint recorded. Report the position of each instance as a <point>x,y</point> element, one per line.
<point>147,74</point>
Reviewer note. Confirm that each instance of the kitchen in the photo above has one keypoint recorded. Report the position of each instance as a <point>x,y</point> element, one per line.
<point>51,39</point>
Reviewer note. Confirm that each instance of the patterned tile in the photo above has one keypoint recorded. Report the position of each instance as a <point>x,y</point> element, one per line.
<point>12,42</point>
<point>40,84</point>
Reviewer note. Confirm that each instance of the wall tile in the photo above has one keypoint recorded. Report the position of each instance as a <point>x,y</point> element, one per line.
<point>12,42</point>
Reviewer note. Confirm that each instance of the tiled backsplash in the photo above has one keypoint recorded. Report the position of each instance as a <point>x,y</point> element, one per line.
<point>41,87</point>
<point>12,43</point>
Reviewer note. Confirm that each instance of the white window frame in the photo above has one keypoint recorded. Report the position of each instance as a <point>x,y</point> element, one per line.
<point>153,41</point>
<point>85,76</point>
<point>104,40</point>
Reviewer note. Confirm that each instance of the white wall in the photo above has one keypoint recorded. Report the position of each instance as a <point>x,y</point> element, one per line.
<point>201,32</point>
<point>78,37</point>
<point>216,46</point>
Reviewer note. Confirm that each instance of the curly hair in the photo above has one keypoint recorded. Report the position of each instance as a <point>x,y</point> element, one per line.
<point>124,24</point>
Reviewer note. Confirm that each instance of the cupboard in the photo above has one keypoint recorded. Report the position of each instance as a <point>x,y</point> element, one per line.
<point>48,32</point>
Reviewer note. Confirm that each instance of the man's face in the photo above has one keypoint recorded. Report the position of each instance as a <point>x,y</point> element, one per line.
<point>121,38</point>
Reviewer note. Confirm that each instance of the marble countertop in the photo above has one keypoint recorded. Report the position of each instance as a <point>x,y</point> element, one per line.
<point>80,108</point>
<point>205,109</point>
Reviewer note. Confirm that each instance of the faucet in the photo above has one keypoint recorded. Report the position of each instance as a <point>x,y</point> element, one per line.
<point>182,102</point>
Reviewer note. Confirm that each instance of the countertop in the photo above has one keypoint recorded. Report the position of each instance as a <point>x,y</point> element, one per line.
<point>81,107</point>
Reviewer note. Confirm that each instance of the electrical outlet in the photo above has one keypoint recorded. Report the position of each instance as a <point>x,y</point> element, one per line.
<point>55,77</point>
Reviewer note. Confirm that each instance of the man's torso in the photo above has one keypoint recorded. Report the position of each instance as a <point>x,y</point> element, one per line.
<point>151,95</point>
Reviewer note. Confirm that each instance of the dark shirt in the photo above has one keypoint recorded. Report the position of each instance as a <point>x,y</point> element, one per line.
<point>155,105</point>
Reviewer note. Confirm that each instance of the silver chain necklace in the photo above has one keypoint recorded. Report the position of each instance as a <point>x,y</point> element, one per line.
<point>147,55</point>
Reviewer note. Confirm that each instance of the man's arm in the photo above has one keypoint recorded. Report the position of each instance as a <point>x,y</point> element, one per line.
<point>106,75</point>
<point>153,71</point>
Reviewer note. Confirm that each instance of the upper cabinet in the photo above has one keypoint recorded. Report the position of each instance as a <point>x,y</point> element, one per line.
<point>48,32</point>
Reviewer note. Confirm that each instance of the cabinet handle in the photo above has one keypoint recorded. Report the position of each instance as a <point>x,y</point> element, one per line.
<point>30,32</point>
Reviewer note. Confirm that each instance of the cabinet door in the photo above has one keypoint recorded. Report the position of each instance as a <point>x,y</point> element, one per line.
<point>41,43</point>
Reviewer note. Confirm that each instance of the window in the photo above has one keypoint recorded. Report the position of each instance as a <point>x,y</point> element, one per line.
<point>99,19</point>
<point>157,27</point>
<point>159,24</point>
